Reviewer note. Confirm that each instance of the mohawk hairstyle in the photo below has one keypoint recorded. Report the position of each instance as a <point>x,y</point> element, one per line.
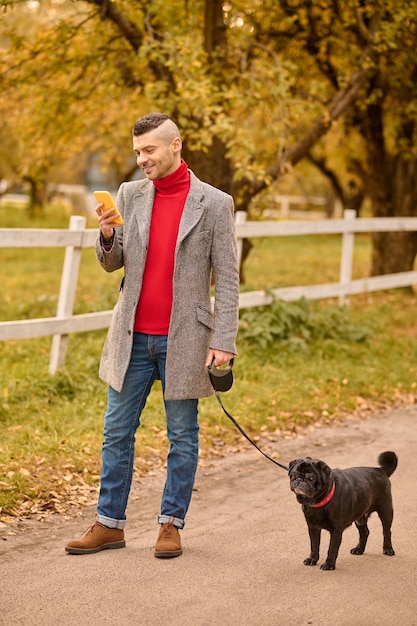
<point>149,122</point>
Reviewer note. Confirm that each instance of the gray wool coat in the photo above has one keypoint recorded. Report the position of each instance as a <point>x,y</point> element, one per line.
<point>206,245</point>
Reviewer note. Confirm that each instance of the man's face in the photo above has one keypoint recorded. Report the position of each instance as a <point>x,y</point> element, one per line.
<point>157,155</point>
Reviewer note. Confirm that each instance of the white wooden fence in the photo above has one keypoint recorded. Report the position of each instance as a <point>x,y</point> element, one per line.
<point>78,237</point>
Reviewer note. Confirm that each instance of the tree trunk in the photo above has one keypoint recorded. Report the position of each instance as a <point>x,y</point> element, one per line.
<point>212,166</point>
<point>37,196</point>
<point>393,252</point>
<point>390,182</point>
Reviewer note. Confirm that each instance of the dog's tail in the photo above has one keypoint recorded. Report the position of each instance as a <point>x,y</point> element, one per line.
<point>388,462</point>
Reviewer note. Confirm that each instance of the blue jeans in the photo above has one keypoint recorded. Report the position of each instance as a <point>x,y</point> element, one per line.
<point>122,419</point>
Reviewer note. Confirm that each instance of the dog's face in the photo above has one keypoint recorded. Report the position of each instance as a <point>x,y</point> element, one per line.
<point>309,479</point>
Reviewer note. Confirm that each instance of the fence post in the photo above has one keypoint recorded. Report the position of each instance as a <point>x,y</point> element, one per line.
<point>338,208</point>
<point>66,294</point>
<point>240,218</point>
<point>285,207</point>
<point>346,259</point>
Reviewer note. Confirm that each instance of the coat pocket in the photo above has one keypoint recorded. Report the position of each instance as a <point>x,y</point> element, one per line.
<point>205,317</point>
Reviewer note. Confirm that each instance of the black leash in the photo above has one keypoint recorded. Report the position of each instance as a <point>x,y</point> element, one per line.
<point>240,429</point>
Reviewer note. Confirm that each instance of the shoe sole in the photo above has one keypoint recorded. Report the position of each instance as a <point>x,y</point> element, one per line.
<point>106,546</point>
<point>168,555</point>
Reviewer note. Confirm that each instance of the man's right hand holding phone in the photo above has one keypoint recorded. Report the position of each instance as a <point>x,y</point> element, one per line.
<point>106,221</point>
<point>109,217</point>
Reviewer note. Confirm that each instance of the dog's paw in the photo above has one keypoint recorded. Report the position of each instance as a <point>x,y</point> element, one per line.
<point>388,551</point>
<point>310,561</point>
<point>328,566</point>
<point>357,550</point>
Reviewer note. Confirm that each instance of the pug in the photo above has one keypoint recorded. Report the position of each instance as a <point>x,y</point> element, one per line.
<point>332,499</point>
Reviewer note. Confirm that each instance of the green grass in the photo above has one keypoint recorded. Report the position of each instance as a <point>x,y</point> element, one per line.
<point>298,364</point>
<point>302,260</point>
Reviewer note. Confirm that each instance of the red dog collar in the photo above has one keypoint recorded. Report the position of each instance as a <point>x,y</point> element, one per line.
<point>326,499</point>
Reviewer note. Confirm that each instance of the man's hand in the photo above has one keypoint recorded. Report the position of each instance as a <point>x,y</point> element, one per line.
<point>105,220</point>
<point>220,357</point>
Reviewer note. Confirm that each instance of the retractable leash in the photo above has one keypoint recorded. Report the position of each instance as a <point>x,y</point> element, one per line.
<point>222,380</point>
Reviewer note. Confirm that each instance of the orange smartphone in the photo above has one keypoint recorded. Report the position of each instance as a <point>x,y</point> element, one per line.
<point>106,198</point>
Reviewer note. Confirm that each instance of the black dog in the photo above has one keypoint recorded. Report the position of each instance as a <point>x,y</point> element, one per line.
<point>333,499</point>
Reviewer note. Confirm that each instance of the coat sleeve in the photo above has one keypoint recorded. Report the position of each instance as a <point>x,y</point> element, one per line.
<point>225,268</point>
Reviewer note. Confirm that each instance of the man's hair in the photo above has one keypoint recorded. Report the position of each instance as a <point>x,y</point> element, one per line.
<point>150,122</point>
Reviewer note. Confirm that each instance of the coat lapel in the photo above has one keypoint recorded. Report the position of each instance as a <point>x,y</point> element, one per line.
<point>193,208</point>
<point>143,203</point>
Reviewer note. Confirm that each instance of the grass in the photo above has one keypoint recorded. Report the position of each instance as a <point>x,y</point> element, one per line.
<point>299,364</point>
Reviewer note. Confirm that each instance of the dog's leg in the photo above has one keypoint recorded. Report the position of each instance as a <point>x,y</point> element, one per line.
<point>362,526</point>
<point>335,541</point>
<point>315,535</point>
<point>386,515</point>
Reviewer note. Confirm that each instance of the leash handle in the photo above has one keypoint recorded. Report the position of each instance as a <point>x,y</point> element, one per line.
<point>240,429</point>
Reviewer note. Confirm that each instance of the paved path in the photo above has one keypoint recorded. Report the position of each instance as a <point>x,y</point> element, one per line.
<point>244,546</point>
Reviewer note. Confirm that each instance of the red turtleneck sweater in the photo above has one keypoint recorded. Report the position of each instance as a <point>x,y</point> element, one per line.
<point>154,308</point>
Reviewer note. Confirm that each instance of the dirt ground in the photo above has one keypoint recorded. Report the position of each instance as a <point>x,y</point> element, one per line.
<point>244,545</point>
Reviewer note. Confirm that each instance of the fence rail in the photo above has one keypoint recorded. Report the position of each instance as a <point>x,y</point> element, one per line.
<point>78,237</point>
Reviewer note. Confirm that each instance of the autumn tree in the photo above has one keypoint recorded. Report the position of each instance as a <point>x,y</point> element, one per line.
<point>373,42</point>
<point>256,87</point>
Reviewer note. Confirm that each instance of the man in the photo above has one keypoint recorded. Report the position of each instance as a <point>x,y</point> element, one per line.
<point>177,233</point>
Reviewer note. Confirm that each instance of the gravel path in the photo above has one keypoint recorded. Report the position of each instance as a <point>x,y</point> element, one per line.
<point>244,545</point>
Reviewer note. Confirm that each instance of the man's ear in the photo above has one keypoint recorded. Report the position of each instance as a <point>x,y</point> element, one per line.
<point>177,145</point>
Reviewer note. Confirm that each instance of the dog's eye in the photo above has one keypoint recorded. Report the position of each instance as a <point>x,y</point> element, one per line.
<point>310,477</point>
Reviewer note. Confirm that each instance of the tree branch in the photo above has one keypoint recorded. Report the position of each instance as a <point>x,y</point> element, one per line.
<point>341,101</point>
<point>109,10</point>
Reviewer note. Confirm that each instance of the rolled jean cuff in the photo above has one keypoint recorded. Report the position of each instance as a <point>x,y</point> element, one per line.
<point>111,523</point>
<point>168,519</point>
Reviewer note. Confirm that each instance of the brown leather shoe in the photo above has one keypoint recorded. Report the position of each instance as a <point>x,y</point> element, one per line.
<point>96,538</point>
<point>168,544</point>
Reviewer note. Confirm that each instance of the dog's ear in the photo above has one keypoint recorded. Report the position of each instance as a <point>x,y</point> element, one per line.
<point>291,464</point>
<point>324,468</point>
